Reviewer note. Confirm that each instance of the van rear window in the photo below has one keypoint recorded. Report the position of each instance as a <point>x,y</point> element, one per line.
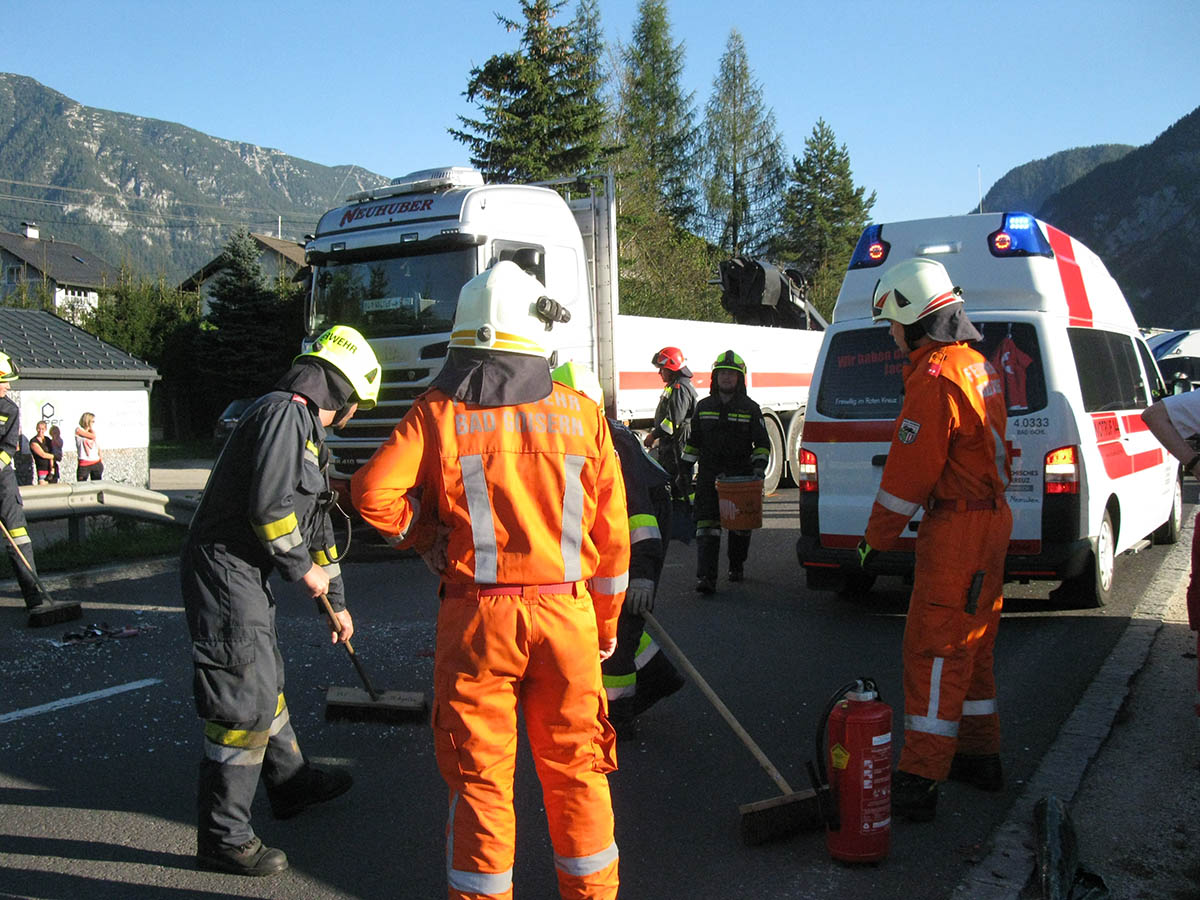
<point>863,378</point>
<point>862,375</point>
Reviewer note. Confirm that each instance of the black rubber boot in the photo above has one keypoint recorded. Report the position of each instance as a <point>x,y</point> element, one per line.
<point>657,679</point>
<point>307,787</point>
<point>914,797</point>
<point>982,771</point>
<point>737,574</point>
<point>252,858</point>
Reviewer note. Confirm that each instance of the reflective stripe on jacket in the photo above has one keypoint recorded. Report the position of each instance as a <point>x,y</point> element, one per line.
<point>949,439</point>
<point>531,493</point>
<point>263,498</point>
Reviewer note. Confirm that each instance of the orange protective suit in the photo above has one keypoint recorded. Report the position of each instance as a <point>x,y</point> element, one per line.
<point>949,455</point>
<point>537,563</point>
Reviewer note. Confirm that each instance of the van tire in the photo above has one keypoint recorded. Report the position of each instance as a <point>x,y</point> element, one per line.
<point>1168,531</point>
<point>775,465</point>
<point>1092,588</point>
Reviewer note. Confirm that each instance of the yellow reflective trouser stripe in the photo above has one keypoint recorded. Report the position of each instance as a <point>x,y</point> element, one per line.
<point>240,746</point>
<point>617,681</point>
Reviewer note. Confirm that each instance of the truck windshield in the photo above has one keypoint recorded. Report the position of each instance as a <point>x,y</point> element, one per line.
<point>392,297</point>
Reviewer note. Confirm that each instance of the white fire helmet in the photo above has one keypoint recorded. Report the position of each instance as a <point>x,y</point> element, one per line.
<point>505,308</point>
<point>911,290</point>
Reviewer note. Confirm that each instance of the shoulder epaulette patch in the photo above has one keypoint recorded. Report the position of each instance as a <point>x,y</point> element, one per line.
<point>935,363</point>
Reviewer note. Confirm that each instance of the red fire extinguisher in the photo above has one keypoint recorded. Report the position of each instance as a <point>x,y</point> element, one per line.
<point>854,751</point>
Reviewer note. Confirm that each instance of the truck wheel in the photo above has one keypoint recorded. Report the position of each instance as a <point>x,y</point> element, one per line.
<point>775,463</point>
<point>795,431</point>
<point>1168,531</point>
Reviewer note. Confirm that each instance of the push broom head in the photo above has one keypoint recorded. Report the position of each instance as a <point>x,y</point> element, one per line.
<point>54,613</point>
<point>356,705</point>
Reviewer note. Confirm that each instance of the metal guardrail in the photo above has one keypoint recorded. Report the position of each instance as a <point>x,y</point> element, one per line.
<point>62,501</point>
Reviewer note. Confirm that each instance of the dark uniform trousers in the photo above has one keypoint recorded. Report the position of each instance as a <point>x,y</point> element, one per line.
<point>12,513</point>
<point>238,687</point>
<point>708,528</point>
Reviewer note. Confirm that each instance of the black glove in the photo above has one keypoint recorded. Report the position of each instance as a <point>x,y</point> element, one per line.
<point>866,554</point>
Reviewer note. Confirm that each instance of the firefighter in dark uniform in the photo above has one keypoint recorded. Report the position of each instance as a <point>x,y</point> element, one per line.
<point>673,417</point>
<point>638,674</point>
<point>728,437</point>
<point>265,509</point>
<point>42,610</point>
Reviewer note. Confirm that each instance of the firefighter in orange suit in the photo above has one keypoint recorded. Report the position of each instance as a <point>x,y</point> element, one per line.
<point>948,456</point>
<point>510,488</point>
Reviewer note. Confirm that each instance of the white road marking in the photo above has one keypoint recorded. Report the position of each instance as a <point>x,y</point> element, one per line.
<point>76,700</point>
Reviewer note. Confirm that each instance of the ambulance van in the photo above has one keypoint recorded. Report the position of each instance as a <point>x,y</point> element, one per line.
<point>1089,481</point>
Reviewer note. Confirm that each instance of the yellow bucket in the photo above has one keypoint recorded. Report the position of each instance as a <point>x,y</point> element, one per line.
<point>740,498</point>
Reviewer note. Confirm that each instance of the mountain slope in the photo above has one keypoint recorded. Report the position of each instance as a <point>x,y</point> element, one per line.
<point>1027,187</point>
<point>1141,214</point>
<point>160,195</point>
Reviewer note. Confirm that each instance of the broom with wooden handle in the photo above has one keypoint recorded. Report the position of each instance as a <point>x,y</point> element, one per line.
<point>357,704</point>
<point>49,612</point>
<point>764,820</point>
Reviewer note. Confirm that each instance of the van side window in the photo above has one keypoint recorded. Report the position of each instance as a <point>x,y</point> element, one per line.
<point>862,375</point>
<point>1157,388</point>
<point>1110,376</point>
<point>1013,350</point>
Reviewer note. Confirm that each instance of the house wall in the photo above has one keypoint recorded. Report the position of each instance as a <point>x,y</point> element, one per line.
<point>122,427</point>
<point>14,271</point>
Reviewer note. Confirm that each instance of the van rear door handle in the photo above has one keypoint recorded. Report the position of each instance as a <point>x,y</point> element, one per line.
<point>879,460</point>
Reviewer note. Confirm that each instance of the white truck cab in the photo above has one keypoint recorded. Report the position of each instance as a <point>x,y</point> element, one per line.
<point>391,261</point>
<point>1089,480</point>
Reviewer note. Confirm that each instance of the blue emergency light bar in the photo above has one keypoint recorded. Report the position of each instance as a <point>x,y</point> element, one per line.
<point>1019,235</point>
<point>871,249</point>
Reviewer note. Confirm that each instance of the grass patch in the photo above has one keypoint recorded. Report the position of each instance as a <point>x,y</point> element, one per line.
<point>109,540</point>
<point>166,451</point>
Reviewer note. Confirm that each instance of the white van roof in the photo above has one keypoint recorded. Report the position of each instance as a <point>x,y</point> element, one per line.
<point>1002,261</point>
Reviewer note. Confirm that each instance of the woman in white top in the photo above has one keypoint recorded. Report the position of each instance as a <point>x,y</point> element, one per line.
<point>89,465</point>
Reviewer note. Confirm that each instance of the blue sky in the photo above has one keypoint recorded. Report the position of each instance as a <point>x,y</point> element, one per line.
<point>929,98</point>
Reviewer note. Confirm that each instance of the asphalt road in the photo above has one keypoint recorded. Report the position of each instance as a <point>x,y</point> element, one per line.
<point>97,798</point>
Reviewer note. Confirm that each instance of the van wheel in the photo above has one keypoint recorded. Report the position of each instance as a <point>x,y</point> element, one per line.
<point>775,463</point>
<point>1168,531</point>
<point>1092,589</point>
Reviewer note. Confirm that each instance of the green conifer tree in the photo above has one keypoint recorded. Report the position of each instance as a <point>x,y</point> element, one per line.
<point>255,333</point>
<point>657,127</point>
<point>542,114</point>
<point>823,216</point>
<point>743,167</point>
